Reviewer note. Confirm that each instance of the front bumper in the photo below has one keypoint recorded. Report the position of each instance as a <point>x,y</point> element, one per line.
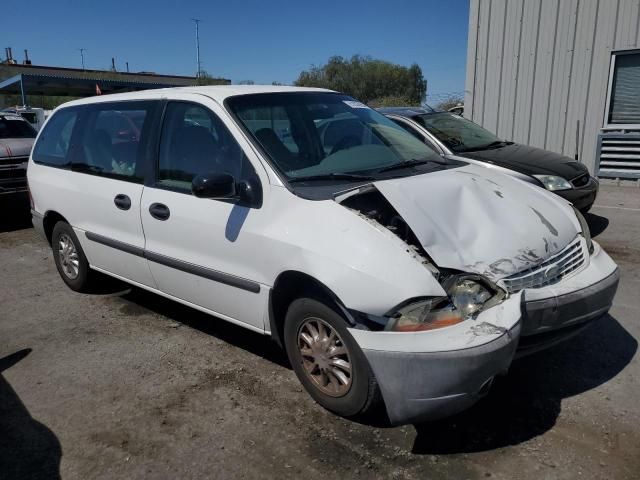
<point>427,386</point>
<point>13,176</point>
<point>434,374</point>
<point>556,313</point>
<point>10,186</point>
<point>582,197</point>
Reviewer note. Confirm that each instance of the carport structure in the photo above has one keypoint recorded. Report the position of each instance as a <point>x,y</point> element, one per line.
<point>25,84</point>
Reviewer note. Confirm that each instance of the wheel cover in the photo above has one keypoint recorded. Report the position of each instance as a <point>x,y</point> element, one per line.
<point>68,256</point>
<point>325,357</point>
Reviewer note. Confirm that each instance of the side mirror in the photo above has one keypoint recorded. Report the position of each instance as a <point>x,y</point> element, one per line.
<point>214,185</point>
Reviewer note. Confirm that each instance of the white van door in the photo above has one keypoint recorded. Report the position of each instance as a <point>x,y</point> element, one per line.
<point>101,154</point>
<point>204,251</point>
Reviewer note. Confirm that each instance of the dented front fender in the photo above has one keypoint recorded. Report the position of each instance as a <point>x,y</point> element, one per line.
<point>433,374</point>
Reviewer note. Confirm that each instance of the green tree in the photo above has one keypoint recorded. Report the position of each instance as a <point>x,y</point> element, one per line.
<point>371,81</point>
<point>450,101</point>
<point>205,79</point>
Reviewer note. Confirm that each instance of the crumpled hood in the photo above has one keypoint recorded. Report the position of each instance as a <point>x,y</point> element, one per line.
<point>476,220</point>
<point>15,147</point>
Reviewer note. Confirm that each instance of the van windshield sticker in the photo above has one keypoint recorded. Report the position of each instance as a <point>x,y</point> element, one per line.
<point>354,104</point>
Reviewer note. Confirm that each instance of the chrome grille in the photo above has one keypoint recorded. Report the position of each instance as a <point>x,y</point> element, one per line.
<point>4,161</point>
<point>551,271</point>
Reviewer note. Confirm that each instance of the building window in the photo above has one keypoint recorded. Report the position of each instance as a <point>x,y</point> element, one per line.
<point>624,93</point>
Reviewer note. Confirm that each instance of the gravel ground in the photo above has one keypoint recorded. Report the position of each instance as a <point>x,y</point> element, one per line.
<point>130,385</point>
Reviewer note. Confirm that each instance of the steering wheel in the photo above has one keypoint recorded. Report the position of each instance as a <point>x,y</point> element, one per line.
<point>344,143</point>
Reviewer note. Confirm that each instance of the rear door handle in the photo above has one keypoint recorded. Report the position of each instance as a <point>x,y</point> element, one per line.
<point>122,201</point>
<point>159,211</point>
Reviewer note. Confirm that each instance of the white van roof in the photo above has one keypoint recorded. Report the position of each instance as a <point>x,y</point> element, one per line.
<point>216,92</point>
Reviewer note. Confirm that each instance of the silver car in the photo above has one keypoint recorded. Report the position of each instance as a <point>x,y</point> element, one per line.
<point>16,139</point>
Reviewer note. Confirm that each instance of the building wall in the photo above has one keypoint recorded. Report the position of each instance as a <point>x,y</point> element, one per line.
<point>538,70</point>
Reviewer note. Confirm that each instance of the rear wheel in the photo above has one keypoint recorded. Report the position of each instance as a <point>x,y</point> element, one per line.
<point>327,360</point>
<point>70,259</point>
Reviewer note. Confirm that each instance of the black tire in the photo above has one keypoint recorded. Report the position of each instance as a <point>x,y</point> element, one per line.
<point>363,395</point>
<point>84,280</point>
<point>585,210</point>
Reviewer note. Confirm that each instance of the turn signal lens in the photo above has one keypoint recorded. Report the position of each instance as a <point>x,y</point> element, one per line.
<point>435,320</point>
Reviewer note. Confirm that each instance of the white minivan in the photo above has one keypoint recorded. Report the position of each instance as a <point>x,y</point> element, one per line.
<point>388,273</point>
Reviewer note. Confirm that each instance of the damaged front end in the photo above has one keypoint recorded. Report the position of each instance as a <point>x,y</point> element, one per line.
<point>427,371</point>
<point>516,270</point>
<point>430,374</point>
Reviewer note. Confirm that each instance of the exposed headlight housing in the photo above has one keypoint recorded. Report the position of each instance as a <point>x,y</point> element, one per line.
<point>584,226</point>
<point>467,296</point>
<point>554,183</point>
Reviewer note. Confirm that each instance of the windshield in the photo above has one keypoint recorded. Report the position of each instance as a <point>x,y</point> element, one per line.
<point>326,135</point>
<point>13,126</point>
<point>457,133</point>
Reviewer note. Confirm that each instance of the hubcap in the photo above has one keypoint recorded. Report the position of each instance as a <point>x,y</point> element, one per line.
<point>325,357</point>
<point>68,255</point>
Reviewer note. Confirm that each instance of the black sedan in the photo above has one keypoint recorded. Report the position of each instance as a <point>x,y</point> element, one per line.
<point>451,134</point>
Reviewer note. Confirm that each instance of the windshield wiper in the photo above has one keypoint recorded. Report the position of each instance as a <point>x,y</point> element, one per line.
<point>330,176</point>
<point>489,146</point>
<point>409,163</point>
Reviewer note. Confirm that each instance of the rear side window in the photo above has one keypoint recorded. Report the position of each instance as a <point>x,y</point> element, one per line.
<point>52,147</point>
<point>112,141</point>
<point>195,141</point>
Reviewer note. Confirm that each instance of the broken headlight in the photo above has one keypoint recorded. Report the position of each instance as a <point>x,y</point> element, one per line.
<point>584,226</point>
<point>467,295</point>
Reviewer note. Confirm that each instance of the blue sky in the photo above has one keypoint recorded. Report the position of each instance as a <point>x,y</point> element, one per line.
<point>264,41</point>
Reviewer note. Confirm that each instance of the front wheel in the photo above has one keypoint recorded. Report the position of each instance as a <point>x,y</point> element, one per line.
<point>327,360</point>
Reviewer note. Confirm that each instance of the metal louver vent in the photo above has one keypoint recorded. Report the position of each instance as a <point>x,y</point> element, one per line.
<point>618,154</point>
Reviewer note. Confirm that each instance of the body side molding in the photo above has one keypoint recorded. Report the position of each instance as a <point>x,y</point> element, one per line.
<point>208,273</point>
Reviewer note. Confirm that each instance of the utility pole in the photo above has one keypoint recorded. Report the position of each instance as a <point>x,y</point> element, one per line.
<point>82,50</point>
<point>197,22</point>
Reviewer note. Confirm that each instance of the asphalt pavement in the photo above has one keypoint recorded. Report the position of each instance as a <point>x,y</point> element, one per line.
<point>126,384</point>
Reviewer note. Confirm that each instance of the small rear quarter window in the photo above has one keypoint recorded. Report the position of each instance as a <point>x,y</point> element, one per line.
<point>52,147</point>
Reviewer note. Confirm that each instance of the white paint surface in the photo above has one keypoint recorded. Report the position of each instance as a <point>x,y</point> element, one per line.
<point>476,220</point>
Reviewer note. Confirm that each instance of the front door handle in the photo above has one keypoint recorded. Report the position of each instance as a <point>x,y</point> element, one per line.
<point>159,211</point>
<point>122,201</point>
